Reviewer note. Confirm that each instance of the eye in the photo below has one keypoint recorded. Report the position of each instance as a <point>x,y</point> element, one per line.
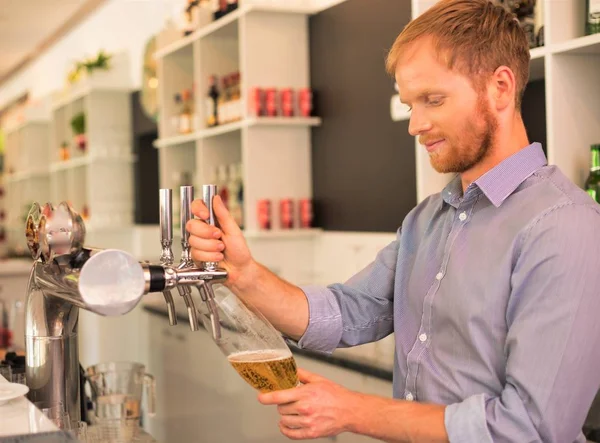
<point>435,101</point>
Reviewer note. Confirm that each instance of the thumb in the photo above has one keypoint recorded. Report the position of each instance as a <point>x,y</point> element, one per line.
<point>224,217</point>
<point>308,377</point>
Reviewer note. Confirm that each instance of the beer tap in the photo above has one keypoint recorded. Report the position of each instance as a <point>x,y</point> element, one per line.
<point>187,195</point>
<point>166,240</point>
<point>206,292</point>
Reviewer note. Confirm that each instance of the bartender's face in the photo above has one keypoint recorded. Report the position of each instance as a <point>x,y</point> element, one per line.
<point>451,119</point>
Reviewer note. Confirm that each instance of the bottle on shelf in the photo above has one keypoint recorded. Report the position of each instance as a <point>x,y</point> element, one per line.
<point>592,22</point>
<point>232,5</point>
<point>222,102</point>
<point>64,151</point>
<point>222,183</point>
<point>592,184</point>
<point>191,17</point>
<point>176,115</point>
<point>234,187</point>
<point>222,9</point>
<point>185,116</point>
<point>212,99</point>
<point>236,102</point>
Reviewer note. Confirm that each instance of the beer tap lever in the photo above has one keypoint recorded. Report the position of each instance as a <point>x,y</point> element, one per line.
<point>166,240</point>
<point>187,196</point>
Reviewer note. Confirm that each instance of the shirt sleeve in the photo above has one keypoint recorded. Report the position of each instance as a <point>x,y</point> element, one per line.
<point>553,340</point>
<point>356,312</point>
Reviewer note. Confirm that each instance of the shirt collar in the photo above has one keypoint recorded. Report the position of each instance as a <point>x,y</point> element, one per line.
<point>503,179</point>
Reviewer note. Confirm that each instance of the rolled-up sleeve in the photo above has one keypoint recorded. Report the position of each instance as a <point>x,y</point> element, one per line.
<point>553,340</point>
<point>356,312</point>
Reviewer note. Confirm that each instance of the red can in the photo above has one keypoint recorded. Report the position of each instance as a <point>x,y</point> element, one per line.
<point>264,214</point>
<point>257,102</point>
<point>271,102</point>
<point>286,213</point>
<point>306,213</point>
<point>287,102</point>
<point>305,102</point>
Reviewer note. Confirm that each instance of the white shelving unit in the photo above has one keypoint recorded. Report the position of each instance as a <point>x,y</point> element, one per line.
<point>96,180</point>
<point>268,45</point>
<point>570,64</point>
<point>26,173</point>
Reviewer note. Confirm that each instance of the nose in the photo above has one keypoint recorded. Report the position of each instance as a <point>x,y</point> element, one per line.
<point>418,123</point>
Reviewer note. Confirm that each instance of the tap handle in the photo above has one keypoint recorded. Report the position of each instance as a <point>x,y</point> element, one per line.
<point>187,196</point>
<point>166,215</point>
<point>208,194</point>
<point>166,226</point>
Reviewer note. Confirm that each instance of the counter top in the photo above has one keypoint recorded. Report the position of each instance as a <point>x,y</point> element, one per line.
<point>21,417</point>
<point>155,304</point>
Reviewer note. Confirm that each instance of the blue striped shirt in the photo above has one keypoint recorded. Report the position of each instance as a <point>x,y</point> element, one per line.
<point>493,296</point>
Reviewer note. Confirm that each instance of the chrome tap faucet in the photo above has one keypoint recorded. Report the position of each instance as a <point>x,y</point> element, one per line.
<point>67,276</point>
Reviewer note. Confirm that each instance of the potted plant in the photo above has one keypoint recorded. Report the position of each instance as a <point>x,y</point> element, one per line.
<point>78,127</point>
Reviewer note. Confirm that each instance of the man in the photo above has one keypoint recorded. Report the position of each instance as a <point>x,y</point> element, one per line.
<point>491,286</point>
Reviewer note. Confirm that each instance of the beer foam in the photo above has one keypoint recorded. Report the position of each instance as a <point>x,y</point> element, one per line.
<point>262,355</point>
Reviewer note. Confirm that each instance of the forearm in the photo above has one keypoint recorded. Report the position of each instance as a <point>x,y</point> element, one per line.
<point>398,421</point>
<point>282,303</point>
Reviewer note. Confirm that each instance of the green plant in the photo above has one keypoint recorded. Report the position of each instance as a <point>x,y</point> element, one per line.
<point>102,61</point>
<point>78,124</point>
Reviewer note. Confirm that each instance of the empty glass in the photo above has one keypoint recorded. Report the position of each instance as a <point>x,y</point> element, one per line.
<point>56,413</point>
<point>6,371</point>
<point>117,389</point>
<point>79,430</point>
<point>19,377</point>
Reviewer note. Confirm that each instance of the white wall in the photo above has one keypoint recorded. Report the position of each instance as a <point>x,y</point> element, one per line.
<point>117,26</point>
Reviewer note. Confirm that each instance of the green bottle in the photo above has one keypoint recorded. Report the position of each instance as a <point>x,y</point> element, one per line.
<point>592,184</point>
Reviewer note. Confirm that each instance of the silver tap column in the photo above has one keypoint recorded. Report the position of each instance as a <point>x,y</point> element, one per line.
<point>187,195</point>
<point>205,288</point>
<point>166,240</point>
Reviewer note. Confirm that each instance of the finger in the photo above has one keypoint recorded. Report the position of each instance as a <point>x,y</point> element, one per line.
<point>294,434</point>
<point>206,245</point>
<point>224,217</point>
<point>201,229</point>
<point>199,209</point>
<point>288,409</point>
<point>279,397</point>
<point>294,421</point>
<point>201,256</point>
<point>308,377</point>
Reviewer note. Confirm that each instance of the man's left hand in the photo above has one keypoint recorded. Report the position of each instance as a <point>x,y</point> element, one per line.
<point>318,408</point>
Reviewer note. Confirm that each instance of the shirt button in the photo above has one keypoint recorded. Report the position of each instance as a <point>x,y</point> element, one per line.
<point>423,337</point>
<point>439,275</point>
<point>409,397</point>
<point>462,216</point>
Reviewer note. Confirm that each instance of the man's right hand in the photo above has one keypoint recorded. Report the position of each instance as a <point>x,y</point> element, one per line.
<point>226,245</point>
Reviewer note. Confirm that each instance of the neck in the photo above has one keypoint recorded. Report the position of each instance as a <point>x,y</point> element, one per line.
<point>508,140</point>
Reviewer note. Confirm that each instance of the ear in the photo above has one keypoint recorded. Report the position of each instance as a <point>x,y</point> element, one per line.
<point>503,87</point>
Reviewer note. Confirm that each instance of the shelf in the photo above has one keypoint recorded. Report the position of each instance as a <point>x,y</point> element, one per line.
<point>19,176</point>
<point>87,160</point>
<point>536,65</point>
<point>236,126</point>
<point>217,25</point>
<point>24,124</point>
<point>82,91</point>
<point>590,44</point>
